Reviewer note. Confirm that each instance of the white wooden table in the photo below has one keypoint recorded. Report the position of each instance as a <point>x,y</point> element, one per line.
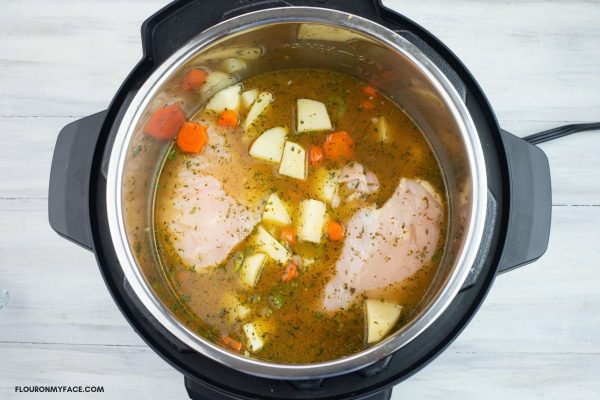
<point>536,336</point>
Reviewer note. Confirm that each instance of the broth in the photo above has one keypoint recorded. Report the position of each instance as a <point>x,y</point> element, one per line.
<point>289,315</point>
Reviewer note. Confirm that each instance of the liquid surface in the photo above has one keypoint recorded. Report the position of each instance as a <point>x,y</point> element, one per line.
<point>226,189</point>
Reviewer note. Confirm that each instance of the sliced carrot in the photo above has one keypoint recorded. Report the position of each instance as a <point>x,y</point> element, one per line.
<point>338,145</point>
<point>192,137</point>
<point>290,272</point>
<point>367,105</point>
<point>315,155</point>
<point>165,122</point>
<point>335,230</point>
<point>288,235</point>
<point>228,118</point>
<point>194,79</point>
<point>231,342</point>
<point>369,91</point>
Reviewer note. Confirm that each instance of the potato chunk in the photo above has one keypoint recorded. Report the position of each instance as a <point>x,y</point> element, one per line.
<point>312,116</point>
<point>381,317</point>
<point>325,184</point>
<point>269,245</point>
<point>262,101</point>
<point>226,99</point>
<point>293,161</point>
<point>275,211</point>
<point>254,339</point>
<point>311,220</point>
<point>382,129</point>
<point>269,145</point>
<point>248,97</point>
<point>233,64</point>
<point>251,268</point>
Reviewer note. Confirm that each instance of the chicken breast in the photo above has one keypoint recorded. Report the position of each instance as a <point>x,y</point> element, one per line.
<point>386,245</point>
<point>207,222</point>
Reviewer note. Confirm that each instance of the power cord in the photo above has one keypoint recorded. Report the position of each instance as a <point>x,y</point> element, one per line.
<point>560,131</point>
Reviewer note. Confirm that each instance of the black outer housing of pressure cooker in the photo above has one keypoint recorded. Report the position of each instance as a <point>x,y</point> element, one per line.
<point>516,231</point>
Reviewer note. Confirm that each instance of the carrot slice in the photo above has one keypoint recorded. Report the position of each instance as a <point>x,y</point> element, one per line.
<point>367,105</point>
<point>290,272</point>
<point>369,91</point>
<point>335,231</point>
<point>288,235</point>
<point>338,145</point>
<point>194,79</point>
<point>231,342</point>
<point>165,122</point>
<point>228,118</point>
<point>315,155</point>
<point>192,137</point>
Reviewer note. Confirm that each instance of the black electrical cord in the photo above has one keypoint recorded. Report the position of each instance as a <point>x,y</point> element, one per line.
<point>560,131</point>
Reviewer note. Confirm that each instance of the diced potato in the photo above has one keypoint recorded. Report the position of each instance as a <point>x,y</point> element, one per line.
<point>293,161</point>
<point>381,318</point>
<point>307,262</point>
<point>226,99</point>
<point>215,81</point>
<point>275,211</point>
<point>262,101</point>
<point>254,338</point>
<point>311,220</point>
<point>248,97</point>
<point>269,145</point>
<point>382,129</point>
<point>266,243</point>
<point>236,311</point>
<point>251,268</point>
<point>257,333</point>
<point>233,64</point>
<point>325,184</point>
<point>312,116</point>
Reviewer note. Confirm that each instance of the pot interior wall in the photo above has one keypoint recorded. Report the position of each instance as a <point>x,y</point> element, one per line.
<point>297,45</point>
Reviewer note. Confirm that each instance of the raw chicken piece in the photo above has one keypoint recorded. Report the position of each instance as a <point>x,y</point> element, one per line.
<point>207,223</point>
<point>386,245</point>
<point>359,180</point>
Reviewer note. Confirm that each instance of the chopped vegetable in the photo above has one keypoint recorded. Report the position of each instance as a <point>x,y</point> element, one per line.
<point>307,262</point>
<point>233,64</point>
<point>255,340</point>
<point>311,220</point>
<point>381,127</point>
<point>276,300</point>
<point>236,311</point>
<point>290,272</point>
<point>165,122</point>
<point>251,268</point>
<point>194,79</point>
<point>312,116</point>
<point>269,145</point>
<point>228,118</point>
<point>226,99</point>
<point>262,101</point>
<point>381,317</point>
<point>248,97</point>
<point>192,137</point>
<point>335,231</point>
<point>231,342</point>
<point>293,161</point>
<point>315,156</point>
<point>275,212</point>
<point>338,145</point>
<point>266,243</point>
<point>369,91</point>
<point>325,185</point>
<point>367,105</point>
<point>215,81</point>
<point>288,235</point>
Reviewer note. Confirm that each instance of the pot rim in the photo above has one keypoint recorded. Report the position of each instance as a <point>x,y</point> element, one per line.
<point>254,20</point>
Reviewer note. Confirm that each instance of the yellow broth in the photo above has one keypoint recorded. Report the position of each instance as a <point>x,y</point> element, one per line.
<point>299,330</point>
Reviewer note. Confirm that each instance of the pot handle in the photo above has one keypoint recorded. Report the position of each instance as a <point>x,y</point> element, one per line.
<point>530,207</point>
<point>68,201</point>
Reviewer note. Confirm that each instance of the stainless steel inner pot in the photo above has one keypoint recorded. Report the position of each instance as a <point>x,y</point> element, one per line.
<point>295,37</point>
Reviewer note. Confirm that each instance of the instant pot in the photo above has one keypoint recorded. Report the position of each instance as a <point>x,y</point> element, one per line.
<point>104,171</point>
